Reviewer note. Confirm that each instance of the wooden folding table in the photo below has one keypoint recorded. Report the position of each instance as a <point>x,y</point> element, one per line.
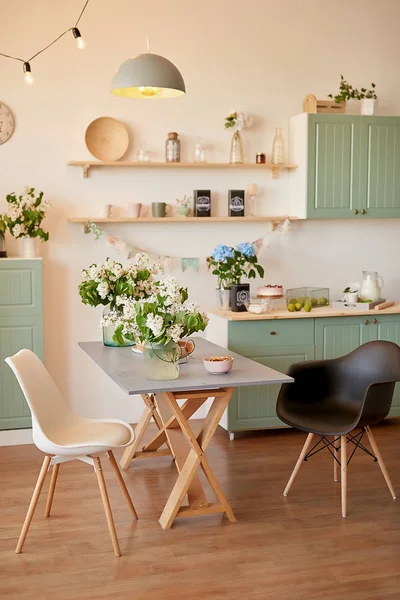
<point>187,441</point>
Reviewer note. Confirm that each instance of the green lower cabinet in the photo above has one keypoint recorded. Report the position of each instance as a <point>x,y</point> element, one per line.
<point>280,343</point>
<point>388,328</point>
<point>255,407</point>
<point>21,326</point>
<point>335,336</point>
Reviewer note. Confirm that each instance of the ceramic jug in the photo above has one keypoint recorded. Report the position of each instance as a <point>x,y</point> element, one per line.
<point>371,286</point>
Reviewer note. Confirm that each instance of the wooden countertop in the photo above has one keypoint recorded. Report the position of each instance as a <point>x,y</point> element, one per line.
<point>315,313</point>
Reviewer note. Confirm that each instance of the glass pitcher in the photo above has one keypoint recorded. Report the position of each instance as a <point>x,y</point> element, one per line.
<point>371,287</point>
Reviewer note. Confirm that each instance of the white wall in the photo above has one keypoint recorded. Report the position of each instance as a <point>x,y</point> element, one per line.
<point>260,56</point>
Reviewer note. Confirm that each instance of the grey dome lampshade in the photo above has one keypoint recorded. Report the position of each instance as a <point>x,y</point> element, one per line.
<point>148,76</point>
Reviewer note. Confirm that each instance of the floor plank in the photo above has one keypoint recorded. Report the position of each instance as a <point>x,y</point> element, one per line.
<point>280,548</point>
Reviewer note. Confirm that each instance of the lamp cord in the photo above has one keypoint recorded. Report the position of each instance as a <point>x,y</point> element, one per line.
<point>51,44</point>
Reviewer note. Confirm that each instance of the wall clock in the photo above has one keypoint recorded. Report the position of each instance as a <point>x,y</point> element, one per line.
<point>6,123</point>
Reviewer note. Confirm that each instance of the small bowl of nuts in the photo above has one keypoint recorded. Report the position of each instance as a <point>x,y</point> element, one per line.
<point>217,365</point>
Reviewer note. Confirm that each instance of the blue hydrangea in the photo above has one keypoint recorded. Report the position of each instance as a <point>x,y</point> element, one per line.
<point>247,249</point>
<point>222,252</point>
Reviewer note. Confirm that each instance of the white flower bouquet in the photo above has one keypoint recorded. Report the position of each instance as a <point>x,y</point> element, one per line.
<point>104,284</point>
<point>165,316</point>
<point>238,121</point>
<point>25,214</point>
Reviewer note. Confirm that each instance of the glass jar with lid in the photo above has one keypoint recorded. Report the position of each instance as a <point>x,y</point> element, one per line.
<point>173,148</point>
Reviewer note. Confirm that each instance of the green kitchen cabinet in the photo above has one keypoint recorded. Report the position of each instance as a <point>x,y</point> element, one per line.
<point>348,166</point>
<point>381,166</point>
<point>278,343</point>
<point>275,344</point>
<point>21,326</point>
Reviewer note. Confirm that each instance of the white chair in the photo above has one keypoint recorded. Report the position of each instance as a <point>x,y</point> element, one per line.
<point>64,436</point>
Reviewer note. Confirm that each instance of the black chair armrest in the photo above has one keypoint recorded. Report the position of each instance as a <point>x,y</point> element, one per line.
<point>314,381</point>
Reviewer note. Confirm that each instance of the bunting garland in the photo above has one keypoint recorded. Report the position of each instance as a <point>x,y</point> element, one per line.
<point>168,262</point>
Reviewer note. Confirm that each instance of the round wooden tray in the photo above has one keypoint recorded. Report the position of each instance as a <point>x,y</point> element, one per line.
<point>107,138</point>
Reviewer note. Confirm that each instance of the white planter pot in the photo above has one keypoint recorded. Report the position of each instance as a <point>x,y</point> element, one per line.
<point>27,247</point>
<point>351,297</point>
<point>368,106</point>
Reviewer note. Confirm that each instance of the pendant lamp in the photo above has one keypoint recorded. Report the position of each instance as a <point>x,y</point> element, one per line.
<point>148,76</point>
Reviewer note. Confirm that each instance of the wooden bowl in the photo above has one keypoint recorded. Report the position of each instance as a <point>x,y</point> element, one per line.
<point>107,139</point>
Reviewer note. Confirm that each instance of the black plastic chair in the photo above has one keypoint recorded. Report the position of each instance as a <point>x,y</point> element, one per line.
<point>333,397</point>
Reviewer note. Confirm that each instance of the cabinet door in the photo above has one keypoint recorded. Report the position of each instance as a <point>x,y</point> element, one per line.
<point>336,337</point>
<point>388,328</point>
<point>334,155</point>
<point>16,334</point>
<point>254,407</point>
<point>381,167</point>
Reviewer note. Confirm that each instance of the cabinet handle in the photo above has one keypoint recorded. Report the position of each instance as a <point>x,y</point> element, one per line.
<point>363,211</point>
<point>375,321</point>
<point>366,321</point>
<point>273,333</point>
<point>355,211</point>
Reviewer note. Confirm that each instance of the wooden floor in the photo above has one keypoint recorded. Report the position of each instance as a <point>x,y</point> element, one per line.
<point>281,548</point>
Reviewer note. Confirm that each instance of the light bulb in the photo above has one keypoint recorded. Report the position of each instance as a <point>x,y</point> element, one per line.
<point>80,42</point>
<point>149,91</point>
<point>28,77</point>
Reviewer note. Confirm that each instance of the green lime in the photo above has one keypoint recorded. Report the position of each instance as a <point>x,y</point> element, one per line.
<point>323,301</point>
<point>291,307</point>
<point>307,307</point>
<point>298,306</point>
<point>314,301</point>
<point>292,301</point>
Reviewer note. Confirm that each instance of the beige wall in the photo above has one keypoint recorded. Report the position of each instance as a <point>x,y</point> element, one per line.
<point>259,56</point>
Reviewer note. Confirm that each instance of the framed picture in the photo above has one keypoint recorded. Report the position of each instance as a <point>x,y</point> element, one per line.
<point>236,203</point>
<point>202,203</point>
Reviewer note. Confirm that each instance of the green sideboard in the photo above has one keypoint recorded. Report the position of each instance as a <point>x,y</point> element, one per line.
<point>21,326</point>
<point>280,342</point>
<point>349,166</point>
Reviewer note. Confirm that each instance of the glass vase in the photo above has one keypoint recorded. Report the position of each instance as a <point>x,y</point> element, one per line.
<point>278,148</point>
<point>236,156</point>
<point>161,363</point>
<point>108,334</point>
<point>224,298</point>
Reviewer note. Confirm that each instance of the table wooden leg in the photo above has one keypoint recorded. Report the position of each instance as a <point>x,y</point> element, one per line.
<point>188,480</point>
<point>132,450</point>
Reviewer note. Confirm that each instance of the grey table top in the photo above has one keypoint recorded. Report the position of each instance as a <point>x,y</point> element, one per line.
<point>126,369</point>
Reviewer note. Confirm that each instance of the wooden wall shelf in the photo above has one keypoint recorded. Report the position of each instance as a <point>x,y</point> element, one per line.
<point>203,220</point>
<point>86,165</point>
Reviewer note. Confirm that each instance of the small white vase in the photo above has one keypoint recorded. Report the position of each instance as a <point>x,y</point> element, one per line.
<point>27,247</point>
<point>368,106</point>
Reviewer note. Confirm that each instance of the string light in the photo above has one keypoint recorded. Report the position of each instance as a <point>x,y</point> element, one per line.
<point>28,74</point>
<point>80,43</point>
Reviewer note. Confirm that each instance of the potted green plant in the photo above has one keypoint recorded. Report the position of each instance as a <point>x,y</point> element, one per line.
<point>24,217</point>
<point>184,205</point>
<point>3,227</point>
<point>230,265</point>
<point>368,100</point>
<point>347,92</point>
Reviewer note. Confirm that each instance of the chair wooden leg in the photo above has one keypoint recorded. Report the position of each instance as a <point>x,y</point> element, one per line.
<point>33,504</point>
<point>299,463</point>
<point>378,455</point>
<point>52,487</point>
<point>343,470</point>
<point>121,482</point>
<point>106,503</point>
<point>336,444</point>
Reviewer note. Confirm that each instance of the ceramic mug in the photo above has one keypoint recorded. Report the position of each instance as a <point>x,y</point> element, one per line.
<point>134,209</point>
<point>160,209</point>
<point>105,212</point>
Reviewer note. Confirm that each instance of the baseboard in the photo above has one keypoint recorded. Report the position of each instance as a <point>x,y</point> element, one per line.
<point>16,437</point>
